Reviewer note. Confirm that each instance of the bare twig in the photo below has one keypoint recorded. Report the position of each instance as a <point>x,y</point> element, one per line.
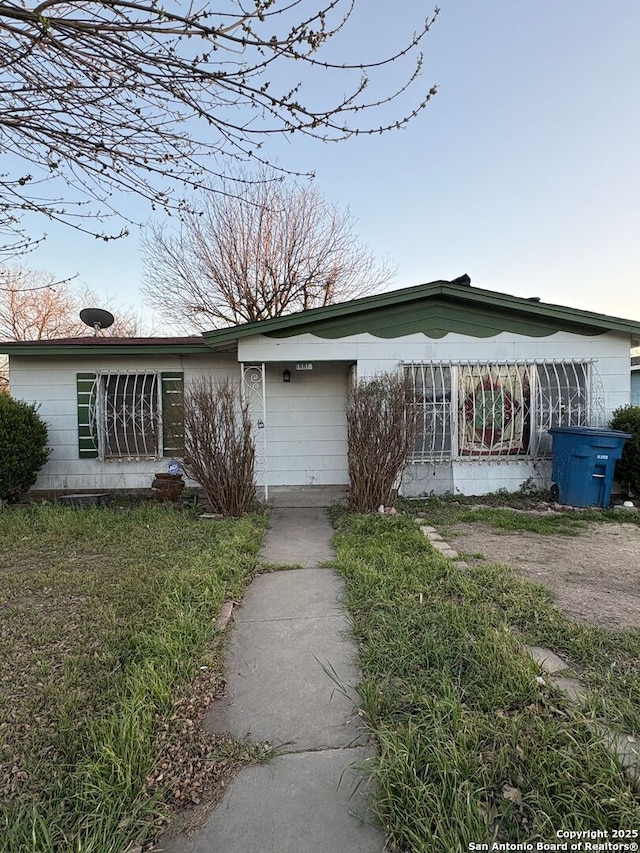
<point>274,248</point>
<point>381,434</point>
<point>107,95</point>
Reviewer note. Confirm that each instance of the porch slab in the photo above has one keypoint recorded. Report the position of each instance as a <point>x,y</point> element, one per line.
<point>306,496</point>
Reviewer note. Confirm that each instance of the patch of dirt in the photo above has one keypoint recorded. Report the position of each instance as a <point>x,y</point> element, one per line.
<point>594,576</point>
<point>195,767</point>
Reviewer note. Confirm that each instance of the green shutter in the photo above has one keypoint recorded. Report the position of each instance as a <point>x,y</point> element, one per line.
<point>172,414</point>
<point>87,439</point>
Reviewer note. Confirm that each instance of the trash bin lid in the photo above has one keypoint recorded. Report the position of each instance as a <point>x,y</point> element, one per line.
<point>589,431</point>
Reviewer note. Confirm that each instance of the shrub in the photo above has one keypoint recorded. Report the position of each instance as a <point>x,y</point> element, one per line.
<point>23,450</point>
<point>219,445</point>
<point>627,419</point>
<point>381,435</point>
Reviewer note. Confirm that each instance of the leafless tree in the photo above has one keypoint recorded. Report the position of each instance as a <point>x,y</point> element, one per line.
<point>33,315</point>
<point>34,306</point>
<point>100,96</point>
<point>275,248</point>
<point>4,376</point>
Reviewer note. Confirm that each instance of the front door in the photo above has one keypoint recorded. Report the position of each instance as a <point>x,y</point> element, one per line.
<point>306,427</point>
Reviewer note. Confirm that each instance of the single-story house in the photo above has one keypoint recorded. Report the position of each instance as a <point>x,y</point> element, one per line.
<point>489,373</point>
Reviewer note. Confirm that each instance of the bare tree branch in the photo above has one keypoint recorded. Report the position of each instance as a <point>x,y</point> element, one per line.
<point>20,280</point>
<point>4,374</point>
<point>34,307</point>
<point>277,247</point>
<point>99,96</point>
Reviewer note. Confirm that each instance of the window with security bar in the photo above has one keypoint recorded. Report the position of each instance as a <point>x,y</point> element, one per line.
<point>127,412</point>
<point>430,395</point>
<point>486,410</point>
<point>130,415</point>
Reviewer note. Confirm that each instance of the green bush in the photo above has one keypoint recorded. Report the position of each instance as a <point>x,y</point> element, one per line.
<point>627,419</point>
<point>23,450</point>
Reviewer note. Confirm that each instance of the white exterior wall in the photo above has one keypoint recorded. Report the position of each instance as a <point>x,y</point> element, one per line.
<point>51,382</point>
<point>305,418</point>
<point>467,476</point>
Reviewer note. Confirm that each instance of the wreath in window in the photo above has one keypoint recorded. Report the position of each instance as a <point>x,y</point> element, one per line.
<point>492,420</point>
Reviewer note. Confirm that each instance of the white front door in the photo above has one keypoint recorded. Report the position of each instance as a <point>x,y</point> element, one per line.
<point>306,424</point>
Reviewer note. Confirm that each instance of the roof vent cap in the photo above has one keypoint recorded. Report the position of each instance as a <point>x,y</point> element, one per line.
<point>462,280</point>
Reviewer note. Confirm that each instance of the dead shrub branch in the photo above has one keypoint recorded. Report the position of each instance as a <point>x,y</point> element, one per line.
<point>219,444</point>
<point>381,431</point>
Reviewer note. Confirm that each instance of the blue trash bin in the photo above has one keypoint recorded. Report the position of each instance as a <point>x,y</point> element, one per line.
<point>584,462</point>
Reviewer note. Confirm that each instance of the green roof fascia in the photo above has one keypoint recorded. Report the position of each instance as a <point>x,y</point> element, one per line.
<point>314,315</point>
<point>15,348</point>
<point>576,316</point>
<point>437,317</point>
<point>502,312</point>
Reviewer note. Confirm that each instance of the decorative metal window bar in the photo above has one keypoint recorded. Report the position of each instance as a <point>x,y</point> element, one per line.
<point>431,395</point>
<point>127,415</point>
<point>501,409</point>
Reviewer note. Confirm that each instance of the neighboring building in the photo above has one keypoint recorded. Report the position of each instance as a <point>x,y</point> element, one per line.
<point>489,374</point>
<point>635,380</point>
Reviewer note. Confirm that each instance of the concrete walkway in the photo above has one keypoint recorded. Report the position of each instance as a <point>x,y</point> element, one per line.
<point>290,641</point>
<point>297,537</point>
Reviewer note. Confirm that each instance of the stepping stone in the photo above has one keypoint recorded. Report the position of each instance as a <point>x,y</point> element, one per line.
<point>549,661</point>
<point>575,690</point>
<point>429,531</point>
<point>627,748</point>
<point>102,499</point>
<point>449,553</point>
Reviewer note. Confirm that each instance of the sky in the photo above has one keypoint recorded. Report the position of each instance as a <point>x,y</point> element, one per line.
<point>523,171</point>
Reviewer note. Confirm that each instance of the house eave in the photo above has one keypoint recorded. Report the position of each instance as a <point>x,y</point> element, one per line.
<point>312,320</point>
<point>25,349</point>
